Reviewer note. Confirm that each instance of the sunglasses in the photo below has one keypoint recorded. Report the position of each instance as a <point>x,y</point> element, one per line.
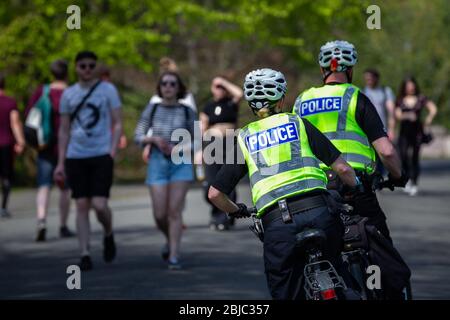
<point>84,66</point>
<point>173,84</point>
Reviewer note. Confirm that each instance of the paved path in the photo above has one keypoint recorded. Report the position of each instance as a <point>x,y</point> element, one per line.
<point>226,265</point>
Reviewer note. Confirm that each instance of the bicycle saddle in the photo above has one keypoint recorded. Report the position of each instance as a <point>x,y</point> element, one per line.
<point>311,238</point>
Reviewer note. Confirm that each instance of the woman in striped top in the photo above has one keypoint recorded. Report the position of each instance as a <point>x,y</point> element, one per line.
<point>168,181</point>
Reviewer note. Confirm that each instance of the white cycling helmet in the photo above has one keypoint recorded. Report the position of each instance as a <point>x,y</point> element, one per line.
<point>337,56</point>
<point>263,87</point>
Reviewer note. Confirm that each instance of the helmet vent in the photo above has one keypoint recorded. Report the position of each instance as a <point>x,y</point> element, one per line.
<point>265,85</point>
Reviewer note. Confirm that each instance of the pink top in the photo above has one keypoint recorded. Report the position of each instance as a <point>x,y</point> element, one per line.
<point>7,104</point>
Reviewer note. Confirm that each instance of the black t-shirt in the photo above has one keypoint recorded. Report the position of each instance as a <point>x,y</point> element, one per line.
<point>230,174</point>
<point>222,111</point>
<point>368,119</point>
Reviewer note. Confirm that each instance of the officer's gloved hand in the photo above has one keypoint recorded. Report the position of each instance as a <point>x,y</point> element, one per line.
<point>242,212</point>
<point>400,182</point>
<point>351,192</point>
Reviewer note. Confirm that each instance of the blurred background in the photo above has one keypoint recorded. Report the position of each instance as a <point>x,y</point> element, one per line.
<point>225,37</point>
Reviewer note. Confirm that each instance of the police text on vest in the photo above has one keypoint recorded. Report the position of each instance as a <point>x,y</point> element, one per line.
<point>272,137</point>
<point>319,105</point>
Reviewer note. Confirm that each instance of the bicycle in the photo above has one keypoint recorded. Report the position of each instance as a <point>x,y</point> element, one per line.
<point>321,278</point>
<point>355,252</point>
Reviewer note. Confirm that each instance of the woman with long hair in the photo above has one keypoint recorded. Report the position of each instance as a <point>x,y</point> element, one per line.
<point>168,180</point>
<point>408,111</point>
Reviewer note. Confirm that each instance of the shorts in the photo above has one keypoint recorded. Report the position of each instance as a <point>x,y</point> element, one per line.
<point>162,170</point>
<point>45,168</point>
<point>90,177</point>
<point>6,162</point>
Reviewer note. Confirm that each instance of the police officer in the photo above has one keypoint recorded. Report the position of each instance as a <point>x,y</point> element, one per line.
<point>348,118</point>
<point>281,153</point>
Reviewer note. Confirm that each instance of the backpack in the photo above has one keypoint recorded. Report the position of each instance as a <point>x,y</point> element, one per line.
<point>38,124</point>
<point>395,273</point>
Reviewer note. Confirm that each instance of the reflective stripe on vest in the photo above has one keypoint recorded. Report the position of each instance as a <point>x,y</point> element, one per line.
<point>347,136</point>
<point>342,120</point>
<point>363,159</point>
<point>300,173</point>
<point>276,194</point>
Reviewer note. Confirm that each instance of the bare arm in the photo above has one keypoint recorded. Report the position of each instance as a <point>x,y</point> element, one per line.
<point>344,171</point>
<point>388,156</point>
<point>204,122</point>
<point>116,117</point>
<point>16,127</point>
<point>235,91</point>
<point>221,200</point>
<point>398,114</point>
<point>390,107</point>
<point>63,141</point>
<point>432,110</point>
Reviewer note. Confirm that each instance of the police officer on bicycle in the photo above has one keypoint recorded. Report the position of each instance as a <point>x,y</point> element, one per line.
<point>348,118</point>
<point>281,154</point>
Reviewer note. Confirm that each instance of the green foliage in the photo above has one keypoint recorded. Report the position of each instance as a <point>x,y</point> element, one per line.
<point>34,33</point>
<point>211,37</point>
<point>413,41</point>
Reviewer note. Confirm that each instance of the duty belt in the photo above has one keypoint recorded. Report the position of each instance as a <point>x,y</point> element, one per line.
<point>294,206</point>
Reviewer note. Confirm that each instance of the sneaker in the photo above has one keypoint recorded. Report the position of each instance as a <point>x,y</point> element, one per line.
<point>222,221</point>
<point>40,237</point>
<point>222,226</point>
<point>407,188</point>
<point>65,232</point>
<point>165,252</point>
<point>4,213</point>
<point>413,191</point>
<point>85,263</point>
<point>109,248</point>
<point>174,264</point>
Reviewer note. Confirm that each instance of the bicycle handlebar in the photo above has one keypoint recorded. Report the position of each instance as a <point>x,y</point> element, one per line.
<point>380,183</point>
<point>251,211</point>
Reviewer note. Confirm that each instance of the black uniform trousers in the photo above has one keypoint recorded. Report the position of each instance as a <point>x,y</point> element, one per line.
<point>284,263</point>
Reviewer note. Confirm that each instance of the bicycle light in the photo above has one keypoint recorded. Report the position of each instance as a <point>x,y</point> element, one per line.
<point>328,294</point>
